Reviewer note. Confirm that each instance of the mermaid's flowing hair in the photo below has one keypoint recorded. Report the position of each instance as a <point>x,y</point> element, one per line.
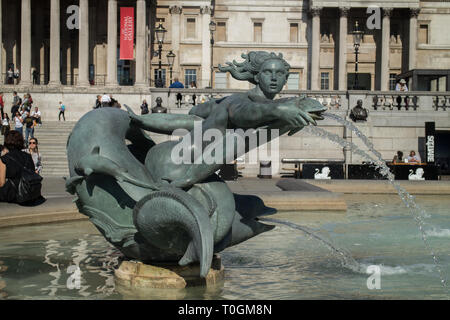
<point>251,66</point>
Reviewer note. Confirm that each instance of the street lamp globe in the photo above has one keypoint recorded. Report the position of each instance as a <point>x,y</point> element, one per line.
<point>170,58</point>
<point>160,32</point>
<point>357,35</point>
<point>212,26</point>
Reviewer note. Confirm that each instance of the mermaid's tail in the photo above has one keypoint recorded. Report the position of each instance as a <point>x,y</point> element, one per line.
<point>169,219</point>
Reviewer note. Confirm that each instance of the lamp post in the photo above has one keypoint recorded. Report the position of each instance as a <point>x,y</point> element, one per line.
<point>170,59</point>
<point>357,37</point>
<point>160,32</point>
<point>212,29</point>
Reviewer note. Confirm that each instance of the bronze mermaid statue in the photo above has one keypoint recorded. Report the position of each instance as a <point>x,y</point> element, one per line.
<point>157,210</point>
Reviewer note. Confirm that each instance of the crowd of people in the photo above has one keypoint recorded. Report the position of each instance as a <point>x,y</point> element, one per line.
<point>18,131</point>
<point>106,100</point>
<point>24,116</point>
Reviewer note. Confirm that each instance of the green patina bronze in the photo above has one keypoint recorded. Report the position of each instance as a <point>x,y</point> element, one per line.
<point>157,211</point>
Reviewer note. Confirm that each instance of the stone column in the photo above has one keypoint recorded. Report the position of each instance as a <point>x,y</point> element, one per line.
<point>55,47</point>
<point>315,47</point>
<point>140,43</point>
<point>343,12</point>
<point>25,46</point>
<point>385,48</point>
<point>413,37</point>
<point>111,76</point>
<point>83,45</point>
<point>175,12</point>
<point>206,47</point>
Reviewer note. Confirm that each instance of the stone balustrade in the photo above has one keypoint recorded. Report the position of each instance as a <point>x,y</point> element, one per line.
<point>80,100</point>
<point>334,100</point>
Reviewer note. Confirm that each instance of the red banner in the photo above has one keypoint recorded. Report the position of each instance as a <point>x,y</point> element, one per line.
<point>126,33</point>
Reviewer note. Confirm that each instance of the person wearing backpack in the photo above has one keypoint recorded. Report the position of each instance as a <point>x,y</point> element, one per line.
<point>16,168</point>
<point>62,109</point>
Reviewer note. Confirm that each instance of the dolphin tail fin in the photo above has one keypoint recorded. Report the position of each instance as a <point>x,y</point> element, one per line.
<point>131,114</point>
<point>184,210</point>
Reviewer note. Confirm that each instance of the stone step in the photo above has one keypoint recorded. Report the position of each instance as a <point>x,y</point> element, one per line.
<point>52,138</point>
<point>55,164</point>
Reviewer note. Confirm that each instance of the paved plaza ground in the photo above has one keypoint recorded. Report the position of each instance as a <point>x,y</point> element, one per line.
<point>298,195</point>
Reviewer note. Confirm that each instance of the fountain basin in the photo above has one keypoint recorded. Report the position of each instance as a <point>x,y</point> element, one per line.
<point>281,264</point>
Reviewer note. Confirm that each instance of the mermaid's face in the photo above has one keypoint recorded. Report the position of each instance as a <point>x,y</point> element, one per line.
<point>272,76</point>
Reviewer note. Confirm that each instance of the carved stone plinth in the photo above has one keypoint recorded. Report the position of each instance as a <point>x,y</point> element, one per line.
<point>136,275</point>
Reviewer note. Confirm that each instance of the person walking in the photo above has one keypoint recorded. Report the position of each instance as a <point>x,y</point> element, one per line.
<point>5,124</point>
<point>194,97</point>
<point>16,104</point>
<point>62,109</point>
<point>29,126</point>
<point>26,103</point>
<point>18,122</point>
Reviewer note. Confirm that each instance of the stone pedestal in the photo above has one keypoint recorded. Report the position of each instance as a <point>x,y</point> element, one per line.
<point>133,275</point>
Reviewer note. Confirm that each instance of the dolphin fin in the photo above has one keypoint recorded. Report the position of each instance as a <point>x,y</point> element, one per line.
<point>189,256</point>
<point>131,114</point>
<point>72,182</point>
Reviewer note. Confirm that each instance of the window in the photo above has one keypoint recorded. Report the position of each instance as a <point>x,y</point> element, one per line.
<point>423,34</point>
<point>392,81</point>
<point>293,81</point>
<point>325,81</point>
<point>221,80</point>
<point>190,28</point>
<point>257,31</point>
<point>221,31</point>
<point>163,75</point>
<point>189,76</point>
<point>293,33</point>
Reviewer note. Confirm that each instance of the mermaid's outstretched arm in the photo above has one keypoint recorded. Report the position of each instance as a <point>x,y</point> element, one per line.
<point>164,123</point>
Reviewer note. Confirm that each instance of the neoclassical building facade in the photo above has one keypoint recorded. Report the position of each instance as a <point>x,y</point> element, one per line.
<point>49,48</point>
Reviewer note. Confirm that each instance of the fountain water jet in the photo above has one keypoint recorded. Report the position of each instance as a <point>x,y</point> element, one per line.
<point>380,164</point>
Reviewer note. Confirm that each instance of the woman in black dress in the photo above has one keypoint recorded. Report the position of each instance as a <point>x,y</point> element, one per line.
<point>12,160</point>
